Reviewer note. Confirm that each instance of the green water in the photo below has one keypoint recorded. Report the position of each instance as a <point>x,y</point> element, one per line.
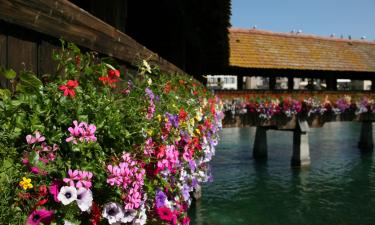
<point>338,188</point>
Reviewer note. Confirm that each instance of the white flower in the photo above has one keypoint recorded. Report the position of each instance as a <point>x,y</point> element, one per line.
<point>113,212</point>
<point>68,223</point>
<point>67,195</point>
<point>142,217</point>
<point>84,199</point>
<point>129,216</point>
<point>149,81</point>
<point>146,66</point>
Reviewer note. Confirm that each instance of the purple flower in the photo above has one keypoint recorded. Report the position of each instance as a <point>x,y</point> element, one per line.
<point>186,192</point>
<point>173,119</point>
<point>149,93</point>
<point>160,199</point>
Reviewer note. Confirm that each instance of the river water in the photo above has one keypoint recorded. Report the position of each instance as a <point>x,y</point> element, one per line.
<point>337,189</point>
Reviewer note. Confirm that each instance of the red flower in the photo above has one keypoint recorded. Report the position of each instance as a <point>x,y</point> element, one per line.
<point>68,88</point>
<point>182,115</point>
<point>111,79</point>
<point>41,202</point>
<point>165,213</point>
<point>95,214</point>
<point>43,190</point>
<point>167,87</point>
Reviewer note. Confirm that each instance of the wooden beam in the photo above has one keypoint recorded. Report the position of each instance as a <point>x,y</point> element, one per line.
<point>63,19</point>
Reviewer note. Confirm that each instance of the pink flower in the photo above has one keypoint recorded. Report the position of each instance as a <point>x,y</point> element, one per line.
<point>38,138</point>
<point>40,216</point>
<point>69,87</point>
<point>73,175</point>
<point>82,178</point>
<point>165,213</point>
<point>81,132</point>
<point>54,189</point>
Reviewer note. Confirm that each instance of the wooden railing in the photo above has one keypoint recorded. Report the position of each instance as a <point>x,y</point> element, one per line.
<point>63,19</point>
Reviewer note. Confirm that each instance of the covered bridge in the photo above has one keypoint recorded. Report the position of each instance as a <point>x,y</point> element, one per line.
<point>269,54</point>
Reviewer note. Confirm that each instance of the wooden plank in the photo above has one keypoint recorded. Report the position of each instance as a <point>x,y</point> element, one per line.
<point>22,54</point>
<point>46,65</point>
<point>62,19</point>
<point>3,53</point>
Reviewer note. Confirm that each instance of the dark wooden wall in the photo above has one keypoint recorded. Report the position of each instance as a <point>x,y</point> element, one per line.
<point>24,49</point>
<point>31,29</point>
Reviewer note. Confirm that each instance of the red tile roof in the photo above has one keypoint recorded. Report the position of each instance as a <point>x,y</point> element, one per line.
<point>263,49</point>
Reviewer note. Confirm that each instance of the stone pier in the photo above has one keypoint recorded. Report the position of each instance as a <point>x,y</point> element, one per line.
<point>260,143</point>
<point>301,150</point>
<point>365,140</point>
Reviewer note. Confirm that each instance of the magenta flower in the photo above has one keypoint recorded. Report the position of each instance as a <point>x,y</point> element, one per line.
<point>38,138</point>
<point>40,216</point>
<point>81,132</point>
<point>128,176</point>
<point>79,179</point>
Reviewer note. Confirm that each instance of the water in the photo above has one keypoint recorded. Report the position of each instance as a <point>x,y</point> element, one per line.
<point>337,189</point>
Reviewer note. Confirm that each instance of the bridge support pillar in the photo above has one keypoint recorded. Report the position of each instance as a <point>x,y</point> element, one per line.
<point>260,143</point>
<point>301,150</point>
<point>365,140</point>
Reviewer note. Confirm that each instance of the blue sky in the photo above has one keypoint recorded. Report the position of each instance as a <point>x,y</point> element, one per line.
<point>319,17</point>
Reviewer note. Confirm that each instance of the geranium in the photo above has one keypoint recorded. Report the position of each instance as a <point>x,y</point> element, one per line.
<point>81,132</point>
<point>40,216</point>
<point>38,138</point>
<point>111,79</point>
<point>69,87</point>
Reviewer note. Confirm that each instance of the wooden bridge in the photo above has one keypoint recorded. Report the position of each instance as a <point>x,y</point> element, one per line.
<point>244,109</point>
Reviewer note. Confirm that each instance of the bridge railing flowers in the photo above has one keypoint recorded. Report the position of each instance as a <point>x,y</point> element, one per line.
<point>91,147</point>
<point>281,109</point>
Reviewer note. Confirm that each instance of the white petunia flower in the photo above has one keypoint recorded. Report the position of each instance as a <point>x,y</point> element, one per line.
<point>129,216</point>
<point>84,199</point>
<point>113,212</point>
<point>142,217</point>
<point>67,195</point>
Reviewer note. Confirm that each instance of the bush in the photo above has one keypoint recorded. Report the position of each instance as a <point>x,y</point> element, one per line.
<point>89,147</point>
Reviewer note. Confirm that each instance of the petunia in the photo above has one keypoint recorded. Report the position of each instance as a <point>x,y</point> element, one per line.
<point>129,216</point>
<point>84,199</point>
<point>113,212</point>
<point>165,213</point>
<point>160,199</point>
<point>67,195</point>
<point>40,216</point>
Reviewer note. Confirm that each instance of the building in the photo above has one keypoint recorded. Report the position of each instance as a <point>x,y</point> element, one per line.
<point>299,61</point>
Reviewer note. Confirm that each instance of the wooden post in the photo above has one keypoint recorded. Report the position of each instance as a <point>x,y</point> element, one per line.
<point>331,84</point>
<point>272,83</point>
<point>240,82</point>
<point>365,140</point>
<point>260,143</point>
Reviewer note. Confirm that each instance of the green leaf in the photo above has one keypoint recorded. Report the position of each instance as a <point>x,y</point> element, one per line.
<point>10,74</point>
<point>29,83</point>
<point>5,94</point>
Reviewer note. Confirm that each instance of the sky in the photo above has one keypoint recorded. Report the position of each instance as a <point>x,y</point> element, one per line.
<point>318,17</point>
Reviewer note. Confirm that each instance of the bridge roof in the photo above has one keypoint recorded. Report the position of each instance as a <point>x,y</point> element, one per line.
<point>270,50</point>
